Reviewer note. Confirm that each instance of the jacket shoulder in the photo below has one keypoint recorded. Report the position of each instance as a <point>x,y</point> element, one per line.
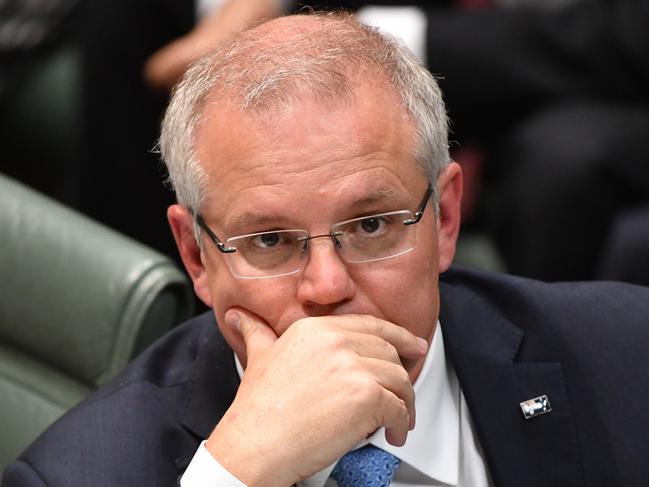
<point>129,432</point>
<point>575,305</point>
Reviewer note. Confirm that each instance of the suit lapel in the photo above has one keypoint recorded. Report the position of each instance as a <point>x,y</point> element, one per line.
<point>213,387</point>
<point>484,347</point>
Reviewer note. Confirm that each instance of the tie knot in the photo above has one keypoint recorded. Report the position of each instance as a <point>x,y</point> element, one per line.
<point>368,466</point>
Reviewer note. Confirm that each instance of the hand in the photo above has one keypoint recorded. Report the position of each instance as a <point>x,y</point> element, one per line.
<point>165,67</point>
<point>311,395</point>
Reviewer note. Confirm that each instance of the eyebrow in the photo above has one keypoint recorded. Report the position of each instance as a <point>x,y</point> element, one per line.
<point>253,218</point>
<point>380,195</point>
<point>374,197</point>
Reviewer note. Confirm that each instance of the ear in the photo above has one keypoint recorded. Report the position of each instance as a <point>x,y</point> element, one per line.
<point>449,186</point>
<point>182,227</point>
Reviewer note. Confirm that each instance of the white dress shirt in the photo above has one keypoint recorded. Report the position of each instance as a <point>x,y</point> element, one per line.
<point>442,450</point>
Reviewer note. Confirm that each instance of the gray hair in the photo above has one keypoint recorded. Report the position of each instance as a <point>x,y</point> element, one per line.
<point>321,55</point>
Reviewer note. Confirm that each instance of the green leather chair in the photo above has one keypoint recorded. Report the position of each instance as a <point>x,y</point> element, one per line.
<point>77,302</point>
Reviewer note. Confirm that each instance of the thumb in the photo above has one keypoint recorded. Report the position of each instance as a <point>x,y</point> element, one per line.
<point>256,334</point>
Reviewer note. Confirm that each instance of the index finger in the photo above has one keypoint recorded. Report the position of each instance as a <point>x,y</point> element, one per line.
<point>407,344</point>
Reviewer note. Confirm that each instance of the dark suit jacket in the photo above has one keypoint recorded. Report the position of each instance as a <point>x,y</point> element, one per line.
<point>583,345</point>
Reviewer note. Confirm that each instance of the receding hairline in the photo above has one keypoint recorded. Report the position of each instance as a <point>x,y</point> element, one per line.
<point>285,34</point>
<point>223,99</point>
<point>362,96</point>
<point>290,60</point>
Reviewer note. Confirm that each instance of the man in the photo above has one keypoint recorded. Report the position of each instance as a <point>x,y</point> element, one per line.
<point>317,207</point>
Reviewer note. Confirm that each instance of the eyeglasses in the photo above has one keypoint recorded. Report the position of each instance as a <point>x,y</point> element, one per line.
<point>283,252</point>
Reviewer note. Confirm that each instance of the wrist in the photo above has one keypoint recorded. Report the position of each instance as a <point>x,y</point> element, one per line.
<point>247,459</point>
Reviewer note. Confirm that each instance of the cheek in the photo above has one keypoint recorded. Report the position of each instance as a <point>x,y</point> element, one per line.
<point>406,291</point>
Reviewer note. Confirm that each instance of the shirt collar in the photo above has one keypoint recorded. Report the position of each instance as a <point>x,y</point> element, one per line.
<point>433,446</point>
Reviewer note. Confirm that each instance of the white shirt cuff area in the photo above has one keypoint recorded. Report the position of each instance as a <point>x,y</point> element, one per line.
<point>205,471</point>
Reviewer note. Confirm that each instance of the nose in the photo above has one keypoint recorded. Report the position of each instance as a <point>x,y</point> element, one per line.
<point>325,280</point>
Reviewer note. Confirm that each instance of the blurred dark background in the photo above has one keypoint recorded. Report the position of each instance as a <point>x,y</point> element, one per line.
<point>548,101</point>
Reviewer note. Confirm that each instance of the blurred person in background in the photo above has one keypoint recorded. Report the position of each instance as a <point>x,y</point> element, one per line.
<point>558,100</point>
<point>626,252</point>
<point>133,52</point>
<point>38,120</point>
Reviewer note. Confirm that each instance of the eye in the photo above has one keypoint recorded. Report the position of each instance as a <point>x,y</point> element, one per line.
<point>370,225</point>
<point>268,240</point>
<point>375,225</point>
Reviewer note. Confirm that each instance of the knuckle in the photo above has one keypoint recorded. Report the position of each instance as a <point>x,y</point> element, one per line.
<point>297,327</point>
<point>345,366</point>
<point>380,326</point>
<point>347,363</point>
<point>303,322</point>
<point>365,393</point>
<point>404,377</point>
<point>376,325</point>
<point>400,411</point>
<point>372,391</point>
<point>391,352</point>
<point>395,413</point>
<point>335,341</point>
<point>403,385</point>
<point>405,336</point>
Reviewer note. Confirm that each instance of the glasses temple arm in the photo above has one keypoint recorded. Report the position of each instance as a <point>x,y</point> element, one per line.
<point>422,207</point>
<point>219,245</point>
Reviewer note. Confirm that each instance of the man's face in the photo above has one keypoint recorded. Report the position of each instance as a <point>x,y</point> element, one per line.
<point>308,166</point>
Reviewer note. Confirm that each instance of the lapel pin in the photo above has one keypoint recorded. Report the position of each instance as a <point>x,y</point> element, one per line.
<point>535,407</point>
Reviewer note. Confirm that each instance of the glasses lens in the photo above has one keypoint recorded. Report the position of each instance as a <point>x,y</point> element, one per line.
<point>267,254</point>
<point>376,237</point>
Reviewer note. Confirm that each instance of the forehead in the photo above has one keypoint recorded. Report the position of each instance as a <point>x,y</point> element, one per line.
<point>279,158</point>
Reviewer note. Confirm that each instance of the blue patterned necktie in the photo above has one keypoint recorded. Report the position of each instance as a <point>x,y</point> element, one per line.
<point>366,467</point>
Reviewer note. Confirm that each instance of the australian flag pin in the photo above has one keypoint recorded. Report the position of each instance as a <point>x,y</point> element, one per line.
<point>535,407</point>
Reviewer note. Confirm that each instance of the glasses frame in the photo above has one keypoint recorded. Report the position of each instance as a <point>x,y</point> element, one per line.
<point>333,235</point>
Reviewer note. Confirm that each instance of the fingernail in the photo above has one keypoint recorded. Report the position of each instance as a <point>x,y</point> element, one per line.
<point>233,320</point>
<point>422,345</point>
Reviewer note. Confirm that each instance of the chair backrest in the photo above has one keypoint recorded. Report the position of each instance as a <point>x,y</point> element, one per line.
<point>78,301</point>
